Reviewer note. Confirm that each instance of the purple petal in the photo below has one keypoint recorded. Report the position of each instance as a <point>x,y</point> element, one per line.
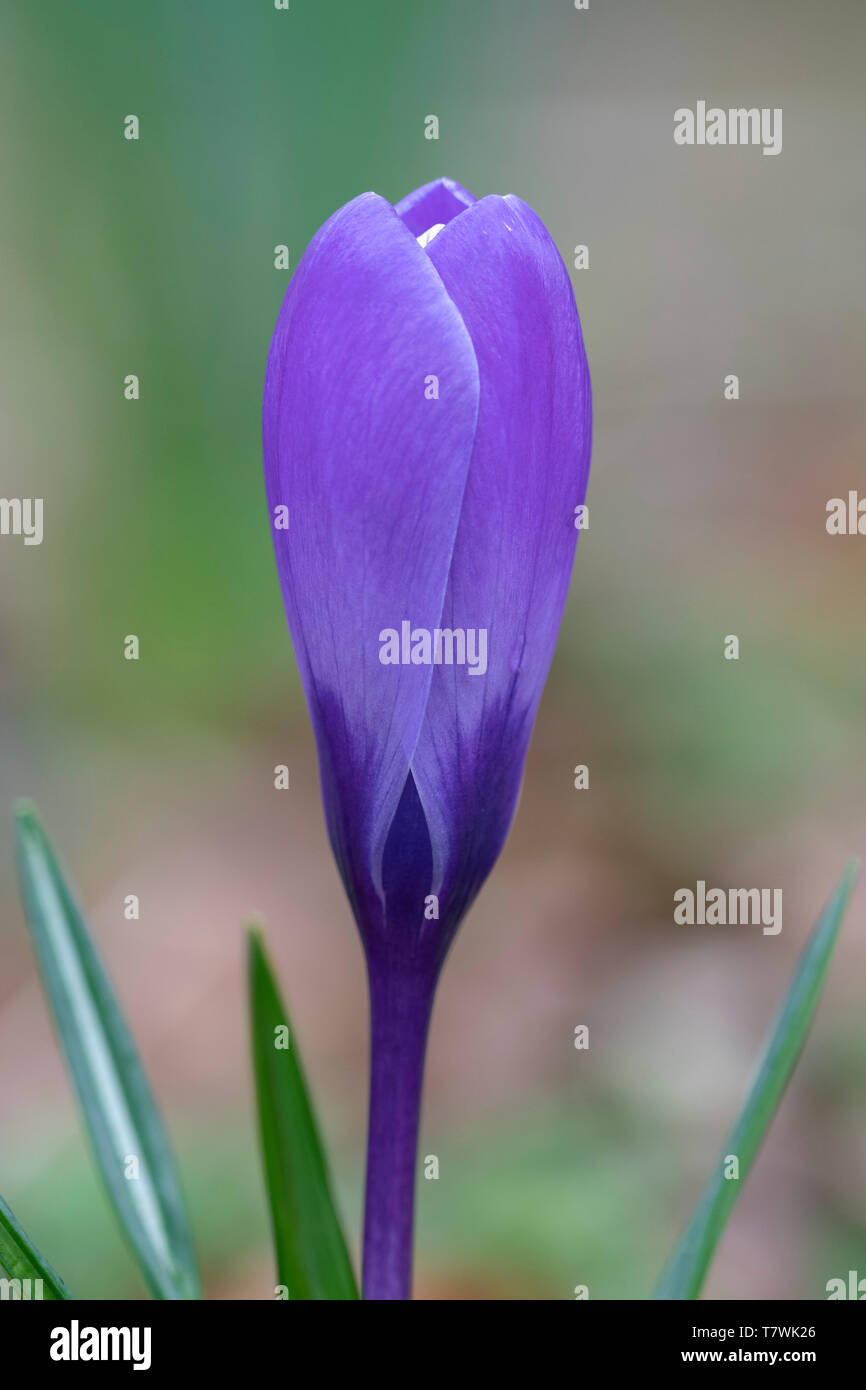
<point>515,543</point>
<point>373,474</point>
<point>439,201</point>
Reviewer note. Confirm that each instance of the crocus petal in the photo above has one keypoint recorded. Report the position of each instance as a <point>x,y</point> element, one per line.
<point>373,474</point>
<point>515,543</point>
<point>439,201</point>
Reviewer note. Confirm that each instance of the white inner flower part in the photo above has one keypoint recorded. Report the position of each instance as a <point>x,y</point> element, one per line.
<point>426,237</point>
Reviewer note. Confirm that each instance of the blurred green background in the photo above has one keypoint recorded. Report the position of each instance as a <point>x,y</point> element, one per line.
<point>155,777</point>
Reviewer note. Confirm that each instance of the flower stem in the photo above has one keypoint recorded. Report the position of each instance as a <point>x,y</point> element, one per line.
<point>401,1000</point>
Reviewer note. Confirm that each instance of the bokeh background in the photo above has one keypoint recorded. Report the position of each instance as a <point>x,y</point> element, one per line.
<point>707,518</point>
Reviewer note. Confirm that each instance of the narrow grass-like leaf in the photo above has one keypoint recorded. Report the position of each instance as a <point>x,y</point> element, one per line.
<point>22,1261</point>
<point>128,1138</point>
<point>312,1260</point>
<point>686,1269</point>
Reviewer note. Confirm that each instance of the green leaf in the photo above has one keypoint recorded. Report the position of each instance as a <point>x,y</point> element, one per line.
<point>21,1260</point>
<point>113,1091</point>
<point>312,1260</point>
<point>687,1267</point>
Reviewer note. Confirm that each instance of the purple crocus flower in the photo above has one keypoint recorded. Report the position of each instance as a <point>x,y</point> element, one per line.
<point>427,425</point>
